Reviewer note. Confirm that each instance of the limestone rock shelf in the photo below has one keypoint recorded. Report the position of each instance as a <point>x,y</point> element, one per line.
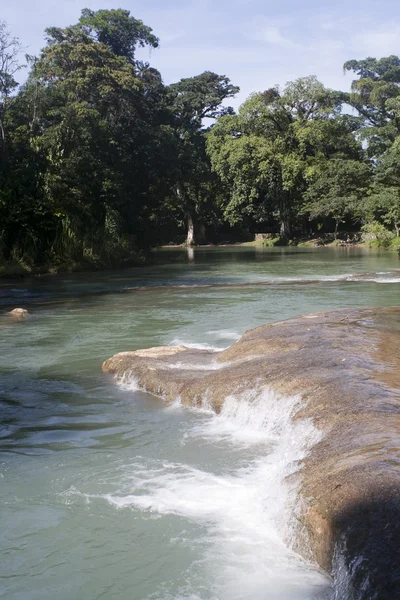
<point>346,365</point>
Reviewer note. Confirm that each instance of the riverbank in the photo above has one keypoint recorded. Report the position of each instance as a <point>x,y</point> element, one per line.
<point>22,269</point>
<point>328,241</point>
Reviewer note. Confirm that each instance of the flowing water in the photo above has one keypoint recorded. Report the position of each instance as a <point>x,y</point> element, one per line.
<point>105,491</point>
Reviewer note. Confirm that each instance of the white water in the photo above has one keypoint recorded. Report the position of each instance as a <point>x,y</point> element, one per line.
<point>196,345</point>
<point>247,512</point>
<point>214,366</point>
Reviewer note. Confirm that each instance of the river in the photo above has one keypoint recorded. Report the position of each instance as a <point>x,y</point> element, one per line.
<point>107,492</point>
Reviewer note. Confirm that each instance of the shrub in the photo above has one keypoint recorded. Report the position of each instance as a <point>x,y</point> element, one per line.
<point>377,234</point>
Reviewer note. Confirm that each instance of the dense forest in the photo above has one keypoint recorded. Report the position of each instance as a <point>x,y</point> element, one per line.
<point>100,161</point>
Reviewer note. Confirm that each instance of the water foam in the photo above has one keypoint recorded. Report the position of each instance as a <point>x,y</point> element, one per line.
<point>374,279</point>
<point>251,418</point>
<point>245,512</point>
<point>197,345</point>
<point>128,382</point>
<point>214,366</point>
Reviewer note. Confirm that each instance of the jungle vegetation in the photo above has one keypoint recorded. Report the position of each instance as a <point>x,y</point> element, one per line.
<point>101,161</point>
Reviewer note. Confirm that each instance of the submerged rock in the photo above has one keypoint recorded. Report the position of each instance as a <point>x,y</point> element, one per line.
<point>346,366</point>
<point>18,313</point>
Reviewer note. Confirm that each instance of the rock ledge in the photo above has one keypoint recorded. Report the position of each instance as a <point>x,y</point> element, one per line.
<point>346,364</point>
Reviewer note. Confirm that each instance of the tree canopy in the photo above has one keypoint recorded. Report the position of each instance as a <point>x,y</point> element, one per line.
<point>270,151</point>
<point>101,160</point>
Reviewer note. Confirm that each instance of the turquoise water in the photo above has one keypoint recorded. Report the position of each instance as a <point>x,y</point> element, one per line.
<point>105,491</point>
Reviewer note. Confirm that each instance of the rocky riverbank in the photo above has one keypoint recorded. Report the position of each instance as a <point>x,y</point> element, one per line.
<point>346,366</point>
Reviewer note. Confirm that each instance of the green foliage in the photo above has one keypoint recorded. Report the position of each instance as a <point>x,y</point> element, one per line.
<point>377,234</point>
<point>376,95</point>
<point>117,30</point>
<point>270,242</point>
<point>196,98</point>
<point>338,190</point>
<point>100,160</point>
<point>88,120</point>
<point>384,204</point>
<point>269,152</point>
<point>195,189</point>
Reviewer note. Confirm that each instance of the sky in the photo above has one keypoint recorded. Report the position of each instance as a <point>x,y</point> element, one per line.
<point>256,43</point>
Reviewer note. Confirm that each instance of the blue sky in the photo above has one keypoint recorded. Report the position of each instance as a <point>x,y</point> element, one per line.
<point>257,43</point>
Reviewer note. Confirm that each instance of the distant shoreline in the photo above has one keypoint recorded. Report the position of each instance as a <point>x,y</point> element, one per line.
<point>15,271</point>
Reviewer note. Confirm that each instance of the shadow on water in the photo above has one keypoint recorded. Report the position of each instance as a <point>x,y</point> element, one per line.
<point>194,286</point>
<point>40,415</point>
<point>238,254</point>
<point>60,291</point>
<point>211,267</point>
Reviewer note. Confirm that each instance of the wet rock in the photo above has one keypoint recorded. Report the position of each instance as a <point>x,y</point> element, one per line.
<point>18,313</point>
<point>346,366</point>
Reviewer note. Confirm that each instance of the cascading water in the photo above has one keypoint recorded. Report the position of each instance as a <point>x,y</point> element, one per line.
<point>245,511</point>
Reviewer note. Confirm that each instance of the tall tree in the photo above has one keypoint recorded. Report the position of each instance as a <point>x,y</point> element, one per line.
<point>193,102</point>
<point>384,201</point>
<point>269,151</point>
<point>375,94</point>
<point>117,30</point>
<point>98,137</point>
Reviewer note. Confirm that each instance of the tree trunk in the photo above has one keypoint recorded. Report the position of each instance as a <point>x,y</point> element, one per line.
<point>396,226</point>
<point>336,228</point>
<point>284,216</point>
<point>285,230</point>
<point>190,237</point>
<point>188,207</point>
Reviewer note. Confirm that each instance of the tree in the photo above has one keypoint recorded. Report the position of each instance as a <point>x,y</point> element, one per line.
<point>191,101</point>
<point>99,159</point>
<point>117,30</point>
<point>10,49</point>
<point>384,201</point>
<point>268,152</point>
<point>384,205</point>
<point>337,190</point>
<point>101,134</point>
<point>375,95</point>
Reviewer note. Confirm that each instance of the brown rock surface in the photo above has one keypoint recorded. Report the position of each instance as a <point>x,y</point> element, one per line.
<point>346,365</point>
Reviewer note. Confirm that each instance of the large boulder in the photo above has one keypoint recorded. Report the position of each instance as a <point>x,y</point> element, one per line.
<point>346,366</point>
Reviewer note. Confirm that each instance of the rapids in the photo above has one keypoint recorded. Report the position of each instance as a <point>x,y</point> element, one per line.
<point>108,492</point>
